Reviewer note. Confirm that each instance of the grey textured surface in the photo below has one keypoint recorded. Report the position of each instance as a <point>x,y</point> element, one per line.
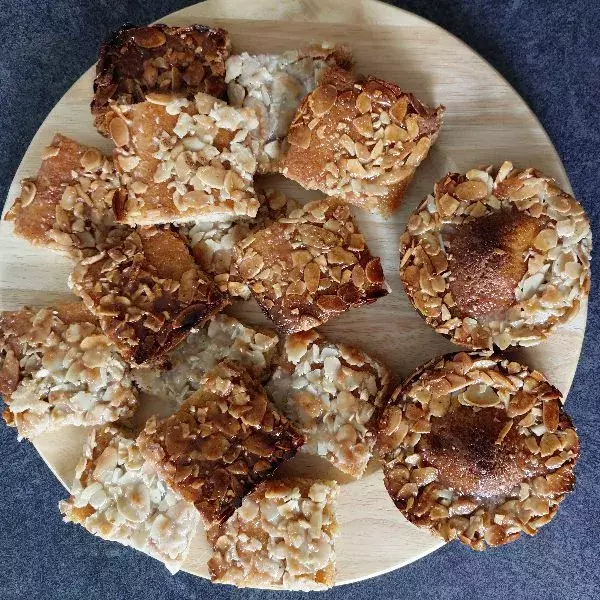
<point>550,52</point>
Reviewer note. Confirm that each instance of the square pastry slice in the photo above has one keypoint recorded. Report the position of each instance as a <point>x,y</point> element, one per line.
<point>119,497</point>
<point>275,84</point>
<point>147,293</point>
<point>135,61</point>
<point>309,267</point>
<point>184,160</point>
<point>68,206</point>
<point>58,368</point>
<point>223,441</point>
<point>360,140</point>
<point>222,338</point>
<point>333,393</point>
<point>282,536</point>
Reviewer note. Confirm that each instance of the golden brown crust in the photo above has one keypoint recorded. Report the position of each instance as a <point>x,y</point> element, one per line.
<point>184,161</point>
<point>223,441</point>
<point>147,293</point>
<point>496,257</point>
<point>477,448</point>
<point>362,140</point>
<point>135,61</point>
<point>309,267</point>
<point>67,207</point>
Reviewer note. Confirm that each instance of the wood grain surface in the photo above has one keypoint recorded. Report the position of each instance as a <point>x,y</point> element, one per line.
<point>486,122</point>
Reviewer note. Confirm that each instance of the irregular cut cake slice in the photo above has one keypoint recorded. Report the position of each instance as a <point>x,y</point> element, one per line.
<point>135,61</point>
<point>333,393</point>
<point>222,338</point>
<point>184,160</point>
<point>57,368</point>
<point>309,267</point>
<point>275,84</point>
<point>360,140</point>
<point>223,441</point>
<point>282,536</point>
<point>119,497</point>
<point>68,206</point>
<point>147,293</point>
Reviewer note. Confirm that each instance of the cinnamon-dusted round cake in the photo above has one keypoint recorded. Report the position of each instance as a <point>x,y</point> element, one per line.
<point>496,257</point>
<point>477,448</point>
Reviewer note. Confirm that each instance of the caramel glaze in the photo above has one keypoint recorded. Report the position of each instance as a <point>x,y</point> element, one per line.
<point>462,446</point>
<point>486,259</point>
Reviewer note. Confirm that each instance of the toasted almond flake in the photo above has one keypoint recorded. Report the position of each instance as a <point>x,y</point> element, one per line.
<point>119,132</point>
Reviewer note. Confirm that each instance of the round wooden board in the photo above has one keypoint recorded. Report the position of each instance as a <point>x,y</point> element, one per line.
<point>486,122</point>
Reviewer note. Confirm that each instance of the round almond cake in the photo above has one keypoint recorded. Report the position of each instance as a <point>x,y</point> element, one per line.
<point>496,257</point>
<point>477,448</point>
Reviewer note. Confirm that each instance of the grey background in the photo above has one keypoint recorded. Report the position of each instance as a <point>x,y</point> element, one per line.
<point>550,52</point>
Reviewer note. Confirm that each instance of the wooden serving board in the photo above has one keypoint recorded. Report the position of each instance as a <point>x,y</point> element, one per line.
<point>486,122</point>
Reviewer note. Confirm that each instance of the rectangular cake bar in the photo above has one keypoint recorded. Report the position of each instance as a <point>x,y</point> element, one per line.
<point>183,160</point>
<point>57,368</point>
<point>147,293</point>
<point>282,536</point>
<point>309,267</point>
<point>68,206</point>
<point>118,496</point>
<point>223,337</point>
<point>362,140</point>
<point>224,440</point>
<point>333,393</point>
<point>135,61</point>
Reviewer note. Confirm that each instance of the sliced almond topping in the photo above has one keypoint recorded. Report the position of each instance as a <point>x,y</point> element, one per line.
<point>119,132</point>
<point>364,125</point>
<point>299,136</point>
<point>546,240</point>
<point>149,37</point>
<point>322,99</point>
<point>363,103</point>
<point>312,274</point>
<point>550,415</point>
<point>91,159</point>
<point>398,109</point>
<point>28,191</point>
<point>471,190</point>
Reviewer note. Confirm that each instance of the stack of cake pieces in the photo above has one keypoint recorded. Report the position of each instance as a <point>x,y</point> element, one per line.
<point>162,233</point>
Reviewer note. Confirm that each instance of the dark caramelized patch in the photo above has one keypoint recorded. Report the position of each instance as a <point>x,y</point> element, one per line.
<point>462,446</point>
<point>486,258</point>
<point>135,61</point>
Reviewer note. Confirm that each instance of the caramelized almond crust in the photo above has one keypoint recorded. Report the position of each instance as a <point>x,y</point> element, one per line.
<point>183,161</point>
<point>224,440</point>
<point>496,257</point>
<point>135,61</point>
<point>147,293</point>
<point>334,393</point>
<point>68,206</point>
<point>309,267</point>
<point>360,139</point>
<point>57,368</point>
<point>282,536</point>
<point>477,448</point>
